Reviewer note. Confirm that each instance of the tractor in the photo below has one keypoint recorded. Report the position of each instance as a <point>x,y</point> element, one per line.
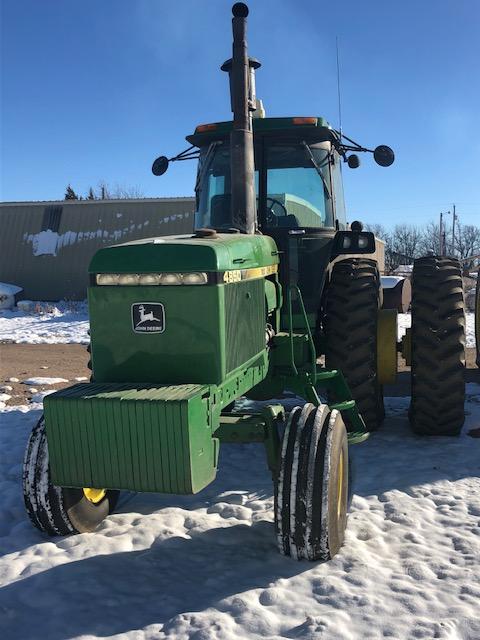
<point>273,293</point>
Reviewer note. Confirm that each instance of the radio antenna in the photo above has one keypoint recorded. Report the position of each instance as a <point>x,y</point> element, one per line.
<point>338,90</point>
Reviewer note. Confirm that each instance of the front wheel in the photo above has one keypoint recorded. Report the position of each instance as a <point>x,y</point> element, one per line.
<point>311,492</point>
<point>59,510</point>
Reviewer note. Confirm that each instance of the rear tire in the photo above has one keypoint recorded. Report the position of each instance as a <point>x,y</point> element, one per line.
<point>311,492</point>
<point>57,510</point>
<point>438,347</point>
<point>350,328</point>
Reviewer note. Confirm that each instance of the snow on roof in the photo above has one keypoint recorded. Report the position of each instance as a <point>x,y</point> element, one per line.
<point>388,282</point>
<point>403,268</point>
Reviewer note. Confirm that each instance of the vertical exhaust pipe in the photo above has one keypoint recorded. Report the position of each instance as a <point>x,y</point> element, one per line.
<point>242,165</point>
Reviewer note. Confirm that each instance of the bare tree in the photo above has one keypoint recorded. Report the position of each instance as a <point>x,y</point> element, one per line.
<point>467,240</point>
<point>430,240</point>
<point>378,229</point>
<point>119,192</point>
<point>391,261</point>
<point>406,241</point>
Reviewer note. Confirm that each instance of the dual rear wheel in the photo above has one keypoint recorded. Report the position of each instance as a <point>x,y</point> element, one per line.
<point>349,321</point>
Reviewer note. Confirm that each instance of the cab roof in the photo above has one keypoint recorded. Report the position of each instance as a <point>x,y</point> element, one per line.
<point>314,128</point>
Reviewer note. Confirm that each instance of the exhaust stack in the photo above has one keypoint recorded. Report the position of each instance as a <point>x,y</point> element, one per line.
<point>242,89</point>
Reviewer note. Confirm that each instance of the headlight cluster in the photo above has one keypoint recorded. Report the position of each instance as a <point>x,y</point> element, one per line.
<point>362,242</point>
<point>148,279</point>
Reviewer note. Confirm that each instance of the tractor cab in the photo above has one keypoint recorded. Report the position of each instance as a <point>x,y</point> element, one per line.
<point>298,182</point>
<point>298,190</point>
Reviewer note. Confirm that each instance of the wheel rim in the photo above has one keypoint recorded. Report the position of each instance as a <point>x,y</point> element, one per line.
<point>94,495</point>
<point>340,486</point>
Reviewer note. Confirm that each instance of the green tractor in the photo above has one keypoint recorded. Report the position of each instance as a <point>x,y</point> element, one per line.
<point>272,293</point>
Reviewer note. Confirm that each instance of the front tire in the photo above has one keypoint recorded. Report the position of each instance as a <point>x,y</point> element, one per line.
<point>59,510</point>
<point>311,492</point>
<point>438,347</point>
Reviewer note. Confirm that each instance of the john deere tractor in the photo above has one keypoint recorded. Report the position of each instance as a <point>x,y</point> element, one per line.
<point>273,292</point>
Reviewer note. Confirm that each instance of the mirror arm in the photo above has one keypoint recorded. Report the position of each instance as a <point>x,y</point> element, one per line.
<point>342,148</point>
<point>188,154</point>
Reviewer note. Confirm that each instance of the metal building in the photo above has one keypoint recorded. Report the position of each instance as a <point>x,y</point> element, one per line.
<point>45,247</point>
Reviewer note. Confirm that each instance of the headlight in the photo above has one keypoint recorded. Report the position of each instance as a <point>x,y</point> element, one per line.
<point>362,242</point>
<point>194,278</point>
<point>150,279</point>
<point>107,278</point>
<point>128,278</point>
<point>171,278</point>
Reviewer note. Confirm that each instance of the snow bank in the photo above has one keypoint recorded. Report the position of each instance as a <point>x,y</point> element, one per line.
<point>206,567</point>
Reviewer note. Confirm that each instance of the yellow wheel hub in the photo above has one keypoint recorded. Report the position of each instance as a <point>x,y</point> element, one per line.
<point>94,495</point>
<point>387,346</point>
<point>340,486</point>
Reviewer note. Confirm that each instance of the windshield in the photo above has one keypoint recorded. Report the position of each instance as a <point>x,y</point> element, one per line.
<point>297,182</point>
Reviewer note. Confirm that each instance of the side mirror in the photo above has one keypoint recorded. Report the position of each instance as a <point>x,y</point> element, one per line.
<point>160,166</point>
<point>353,161</point>
<point>383,155</point>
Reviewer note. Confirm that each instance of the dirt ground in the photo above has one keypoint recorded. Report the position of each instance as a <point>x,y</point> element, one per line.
<point>69,361</point>
<point>24,361</point>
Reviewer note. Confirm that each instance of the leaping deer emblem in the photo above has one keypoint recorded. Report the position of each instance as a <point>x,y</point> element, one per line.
<point>146,317</point>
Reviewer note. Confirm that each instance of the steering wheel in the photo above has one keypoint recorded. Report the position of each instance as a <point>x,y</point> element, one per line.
<point>271,215</point>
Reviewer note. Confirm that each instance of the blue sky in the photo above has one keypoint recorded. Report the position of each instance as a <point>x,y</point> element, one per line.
<point>95,91</point>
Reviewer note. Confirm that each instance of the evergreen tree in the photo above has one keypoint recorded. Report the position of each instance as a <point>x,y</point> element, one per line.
<point>91,195</point>
<point>70,194</point>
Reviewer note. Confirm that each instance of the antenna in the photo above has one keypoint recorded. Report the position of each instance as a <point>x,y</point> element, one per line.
<point>338,90</point>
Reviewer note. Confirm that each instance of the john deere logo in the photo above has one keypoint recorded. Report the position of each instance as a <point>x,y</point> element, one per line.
<point>148,317</point>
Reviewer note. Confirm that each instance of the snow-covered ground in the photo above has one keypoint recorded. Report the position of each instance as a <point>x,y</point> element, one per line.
<point>206,567</point>
<point>68,322</point>
<point>46,323</point>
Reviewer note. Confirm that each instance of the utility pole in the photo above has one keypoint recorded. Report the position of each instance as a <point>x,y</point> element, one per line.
<point>453,230</point>
<point>440,239</point>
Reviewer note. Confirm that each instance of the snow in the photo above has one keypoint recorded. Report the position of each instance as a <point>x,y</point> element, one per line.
<point>43,381</point>
<point>45,243</point>
<point>51,243</point>
<point>206,566</point>
<point>38,396</point>
<point>388,282</point>
<point>46,323</point>
<point>402,269</point>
